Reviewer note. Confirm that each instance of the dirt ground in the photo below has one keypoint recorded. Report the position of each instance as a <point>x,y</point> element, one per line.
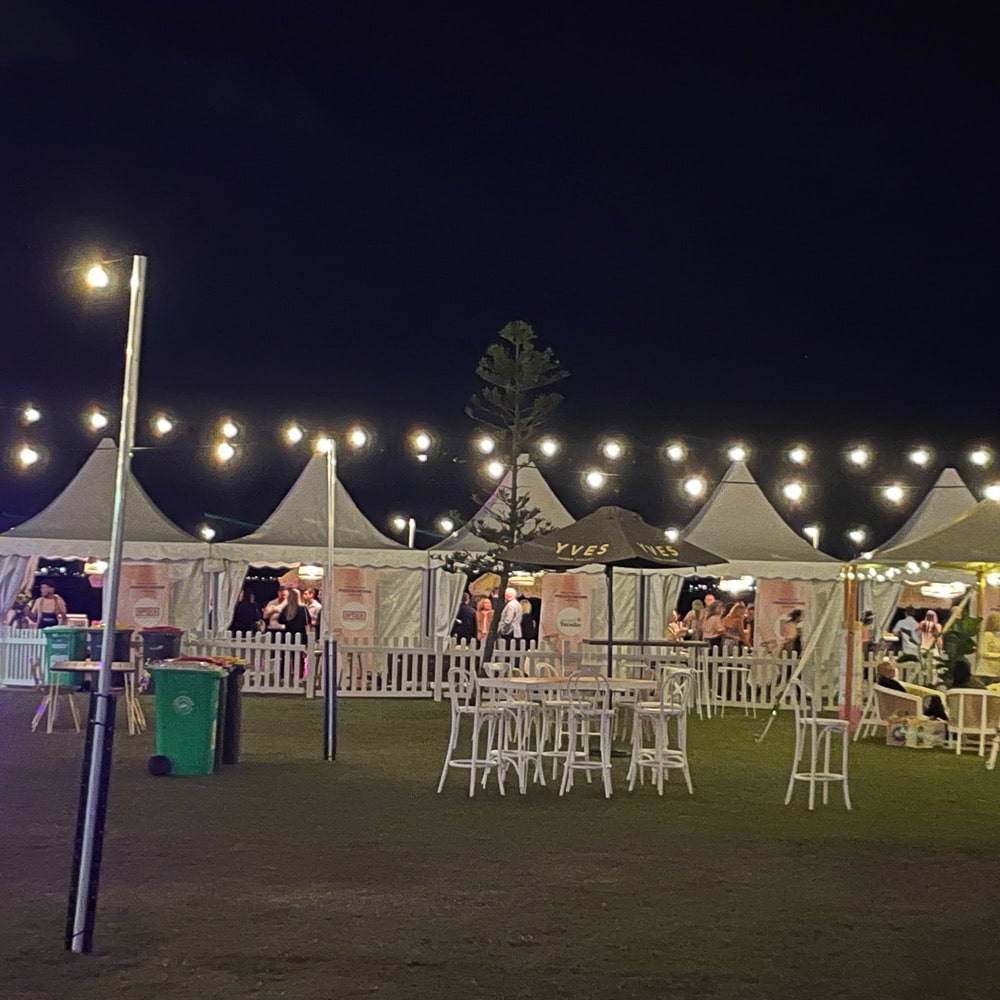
<point>286,876</point>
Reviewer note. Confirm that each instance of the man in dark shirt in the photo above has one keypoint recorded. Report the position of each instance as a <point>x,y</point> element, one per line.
<point>465,621</point>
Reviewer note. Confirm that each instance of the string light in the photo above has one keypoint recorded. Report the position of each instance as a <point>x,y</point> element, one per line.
<point>27,456</point>
<point>399,523</point>
<point>294,434</point>
<point>694,486</point>
<point>595,479</point>
<point>857,535</point>
<point>495,469</point>
<point>737,452</point>
<point>446,525</point>
<point>793,491</point>
<point>30,415</point>
<point>920,455</point>
<point>225,452</point>
<point>675,451</point>
<point>981,456</point>
<point>549,447</point>
<point>324,444</point>
<point>672,534</point>
<point>97,420</point>
<point>357,437</point>
<point>612,449</point>
<point>811,531</point>
<point>992,492</point>
<point>859,456</point>
<point>485,445</point>
<point>162,425</point>
<point>894,493</point>
<point>228,430</point>
<point>798,454</point>
<point>98,277</point>
<point>422,442</point>
<point>206,532</point>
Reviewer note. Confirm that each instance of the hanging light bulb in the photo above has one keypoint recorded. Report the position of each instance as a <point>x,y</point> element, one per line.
<point>206,532</point>
<point>672,534</point>
<point>595,479</point>
<point>27,456</point>
<point>30,414</point>
<point>421,441</point>
<point>981,456</point>
<point>486,445</point>
<point>549,447</point>
<point>857,535</point>
<point>894,493</point>
<point>798,454</point>
<point>324,444</point>
<point>98,277</point>
<point>920,455</point>
<point>357,436</point>
<point>992,492</point>
<point>97,420</point>
<point>446,525</point>
<point>859,456</point>
<point>694,486</point>
<point>793,491</point>
<point>400,523</point>
<point>612,449</point>
<point>738,452</point>
<point>228,429</point>
<point>811,531</point>
<point>675,451</point>
<point>294,434</point>
<point>224,451</point>
<point>162,425</point>
<point>495,469</point>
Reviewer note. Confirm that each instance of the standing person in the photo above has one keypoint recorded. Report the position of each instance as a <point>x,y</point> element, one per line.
<point>510,617</point>
<point>529,630</point>
<point>272,612</point>
<point>929,632</point>
<point>906,629</point>
<point>313,609</point>
<point>19,615</point>
<point>733,622</point>
<point>49,608</point>
<point>484,617</point>
<point>464,626</point>
<point>712,627</point>
<point>295,624</point>
<point>748,624</point>
<point>791,632</point>
<point>694,618</point>
<point>246,614</point>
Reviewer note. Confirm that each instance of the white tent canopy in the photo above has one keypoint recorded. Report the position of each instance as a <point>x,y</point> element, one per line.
<point>945,500</point>
<point>740,523</point>
<point>77,524</point>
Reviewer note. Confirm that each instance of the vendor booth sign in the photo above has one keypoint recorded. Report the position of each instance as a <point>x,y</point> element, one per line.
<point>568,607</point>
<point>144,595</point>
<point>354,603</point>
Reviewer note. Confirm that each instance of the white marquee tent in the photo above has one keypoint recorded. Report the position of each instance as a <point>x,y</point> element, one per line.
<point>77,525</point>
<point>384,576</point>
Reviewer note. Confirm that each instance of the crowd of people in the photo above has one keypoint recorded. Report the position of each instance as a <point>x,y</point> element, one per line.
<point>288,613</point>
<point>45,610</point>
<point>720,625</point>
<point>517,619</point>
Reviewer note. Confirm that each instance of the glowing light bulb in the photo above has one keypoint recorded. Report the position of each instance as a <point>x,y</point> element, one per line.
<point>912,567</point>
<point>422,457</point>
<point>920,456</point>
<point>495,469</point>
<point>612,449</point>
<point>811,531</point>
<point>549,447</point>
<point>228,430</point>
<point>694,486</point>
<point>857,535</point>
<point>676,451</point>
<point>224,451</point>
<point>793,491</point>
<point>894,493</point>
<point>993,579</point>
<point>98,277</point>
<point>162,425</point>
<point>486,445</point>
<point>400,523</point>
<point>980,456</point>
<point>293,434</point>
<point>207,532</point>
<point>859,456</point>
<point>27,456</point>
<point>738,452</point>
<point>992,492</point>
<point>31,414</point>
<point>357,437</point>
<point>798,455</point>
<point>97,420</point>
<point>446,525</point>
<point>324,444</point>
<point>672,534</point>
<point>422,441</point>
<point>595,479</point>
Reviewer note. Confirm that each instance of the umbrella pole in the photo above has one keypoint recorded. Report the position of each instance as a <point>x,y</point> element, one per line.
<point>609,577</point>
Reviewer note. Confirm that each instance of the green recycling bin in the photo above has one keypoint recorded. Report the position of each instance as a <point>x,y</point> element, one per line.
<point>62,642</point>
<point>187,708</point>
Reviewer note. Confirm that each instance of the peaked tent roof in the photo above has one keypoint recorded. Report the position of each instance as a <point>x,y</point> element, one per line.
<point>971,541</point>
<point>296,530</point>
<point>77,524</point>
<point>945,500</point>
<point>740,524</point>
<point>529,481</point>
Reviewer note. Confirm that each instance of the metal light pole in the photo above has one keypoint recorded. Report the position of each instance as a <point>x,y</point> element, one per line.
<point>98,769</point>
<point>329,643</point>
<point>411,532</point>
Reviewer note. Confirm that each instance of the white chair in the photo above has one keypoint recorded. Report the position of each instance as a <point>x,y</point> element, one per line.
<point>588,713</point>
<point>882,705</point>
<point>814,734</point>
<point>462,694</point>
<point>731,676</point>
<point>50,690</point>
<point>973,717</point>
<point>671,706</point>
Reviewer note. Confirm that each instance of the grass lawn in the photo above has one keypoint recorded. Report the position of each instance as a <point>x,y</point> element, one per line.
<point>290,877</point>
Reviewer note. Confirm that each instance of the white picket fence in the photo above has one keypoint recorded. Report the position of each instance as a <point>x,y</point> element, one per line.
<point>408,668</point>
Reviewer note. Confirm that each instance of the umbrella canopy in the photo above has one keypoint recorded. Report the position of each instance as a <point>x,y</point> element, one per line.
<point>611,536</point>
<point>971,541</point>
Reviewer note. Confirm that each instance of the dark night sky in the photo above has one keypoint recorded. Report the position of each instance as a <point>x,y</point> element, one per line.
<point>727,223</point>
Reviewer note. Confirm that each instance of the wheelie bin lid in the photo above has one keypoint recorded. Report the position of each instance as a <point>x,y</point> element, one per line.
<point>191,664</point>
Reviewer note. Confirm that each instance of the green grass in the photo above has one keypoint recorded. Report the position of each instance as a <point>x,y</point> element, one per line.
<point>289,876</point>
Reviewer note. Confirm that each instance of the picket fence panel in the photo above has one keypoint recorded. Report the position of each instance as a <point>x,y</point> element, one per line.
<point>19,649</point>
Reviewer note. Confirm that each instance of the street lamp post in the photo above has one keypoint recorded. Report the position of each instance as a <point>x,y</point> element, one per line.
<point>93,799</point>
<point>329,642</point>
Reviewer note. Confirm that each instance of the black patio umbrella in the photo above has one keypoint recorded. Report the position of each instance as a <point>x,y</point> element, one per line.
<point>611,536</point>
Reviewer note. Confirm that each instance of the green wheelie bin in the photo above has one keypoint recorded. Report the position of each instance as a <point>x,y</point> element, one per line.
<point>62,642</point>
<point>187,708</point>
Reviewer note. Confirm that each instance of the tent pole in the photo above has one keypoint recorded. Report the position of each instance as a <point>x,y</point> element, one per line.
<point>609,577</point>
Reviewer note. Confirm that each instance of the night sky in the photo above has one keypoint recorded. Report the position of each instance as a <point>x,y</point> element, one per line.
<point>728,223</point>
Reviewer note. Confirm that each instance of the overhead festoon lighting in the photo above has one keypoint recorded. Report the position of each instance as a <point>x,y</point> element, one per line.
<point>675,451</point>
<point>798,454</point>
<point>893,493</point>
<point>992,492</point>
<point>811,531</point>
<point>224,452</point>
<point>981,456</point>
<point>920,455</point>
<point>206,532</point>
<point>324,444</point>
<point>421,442</point>
<point>793,491</point>
<point>27,456</point>
<point>595,479</point>
<point>857,535</point>
<point>694,486</point>
<point>549,447</point>
<point>859,456</point>
<point>97,420</point>
<point>737,452</point>
<point>228,429</point>
<point>294,434</point>
<point>399,522</point>
<point>485,445</point>
<point>672,534</point>
<point>357,437</point>
<point>612,449</point>
<point>162,425</point>
<point>446,525</point>
<point>30,414</point>
<point>98,277</point>
<point>495,469</point>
